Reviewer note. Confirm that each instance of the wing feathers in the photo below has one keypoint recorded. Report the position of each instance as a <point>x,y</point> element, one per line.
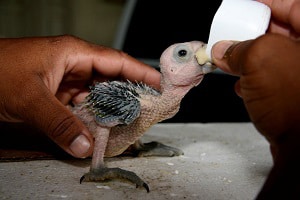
<point>116,102</point>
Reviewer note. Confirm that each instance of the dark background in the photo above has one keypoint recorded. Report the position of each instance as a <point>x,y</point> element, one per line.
<point>156,24</point>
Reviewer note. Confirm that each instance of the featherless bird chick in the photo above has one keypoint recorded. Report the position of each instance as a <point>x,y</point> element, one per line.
<point>119,113</point>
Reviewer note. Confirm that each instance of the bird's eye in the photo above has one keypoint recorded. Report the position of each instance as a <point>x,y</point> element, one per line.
<point>182,53</point>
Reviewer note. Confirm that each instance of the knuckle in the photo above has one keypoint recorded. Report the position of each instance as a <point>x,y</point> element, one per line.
<point>64,43</point>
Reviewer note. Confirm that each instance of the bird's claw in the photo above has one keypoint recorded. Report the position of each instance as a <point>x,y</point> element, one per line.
<point>158,149</point>
<point>102,174</point>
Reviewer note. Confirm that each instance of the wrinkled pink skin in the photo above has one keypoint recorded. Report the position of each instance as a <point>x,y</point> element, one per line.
<point>178,77</point>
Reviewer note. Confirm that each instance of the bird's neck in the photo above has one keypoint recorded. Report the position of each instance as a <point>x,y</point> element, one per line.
<point>177,92</point>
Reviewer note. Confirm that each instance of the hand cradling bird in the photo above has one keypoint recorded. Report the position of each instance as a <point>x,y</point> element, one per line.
<point>119,113</point>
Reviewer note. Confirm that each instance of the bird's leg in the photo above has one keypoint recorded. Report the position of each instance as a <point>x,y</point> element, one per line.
<point>98,170</point>
<point>153,149</point>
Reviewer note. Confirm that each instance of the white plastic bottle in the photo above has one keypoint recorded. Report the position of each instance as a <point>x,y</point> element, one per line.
<point>236,20</point>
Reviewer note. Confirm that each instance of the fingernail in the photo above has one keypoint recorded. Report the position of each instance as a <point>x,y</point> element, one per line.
<point>220,48</point>
<point>80,146</point>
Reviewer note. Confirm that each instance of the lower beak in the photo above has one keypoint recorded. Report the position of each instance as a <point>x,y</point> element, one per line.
<point>208,67</point>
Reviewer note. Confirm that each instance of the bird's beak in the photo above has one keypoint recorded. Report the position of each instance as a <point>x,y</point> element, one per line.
<point>204,61</point>
<point>207,67</point>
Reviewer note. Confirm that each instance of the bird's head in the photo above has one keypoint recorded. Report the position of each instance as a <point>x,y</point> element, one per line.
<point>179,66</point>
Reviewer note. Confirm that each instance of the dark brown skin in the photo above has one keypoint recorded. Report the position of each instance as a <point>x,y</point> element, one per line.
<point>269,84</point>
<point>40,76</point>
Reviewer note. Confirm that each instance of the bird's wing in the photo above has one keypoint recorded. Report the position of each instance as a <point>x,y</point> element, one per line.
<point>114,103</point>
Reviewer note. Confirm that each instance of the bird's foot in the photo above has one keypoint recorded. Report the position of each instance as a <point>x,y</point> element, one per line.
<point>157,149</point>
<point>104,173</point>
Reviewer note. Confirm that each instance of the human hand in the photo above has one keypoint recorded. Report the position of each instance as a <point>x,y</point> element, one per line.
<point>268,68</point>
<point>285,17</point>
<point>41,76</point>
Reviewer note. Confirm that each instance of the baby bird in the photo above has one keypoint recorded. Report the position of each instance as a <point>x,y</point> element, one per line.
<point>119,113</point>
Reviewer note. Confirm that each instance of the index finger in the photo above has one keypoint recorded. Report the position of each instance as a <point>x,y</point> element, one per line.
<point>116,63</point>
<point>82,58</point>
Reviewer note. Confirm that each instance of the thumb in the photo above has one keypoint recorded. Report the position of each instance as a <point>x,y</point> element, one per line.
<point>229,56</point>
<point>55,120</point>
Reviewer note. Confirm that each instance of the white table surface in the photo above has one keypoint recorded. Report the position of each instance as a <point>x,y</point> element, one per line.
<point>221,161</point>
